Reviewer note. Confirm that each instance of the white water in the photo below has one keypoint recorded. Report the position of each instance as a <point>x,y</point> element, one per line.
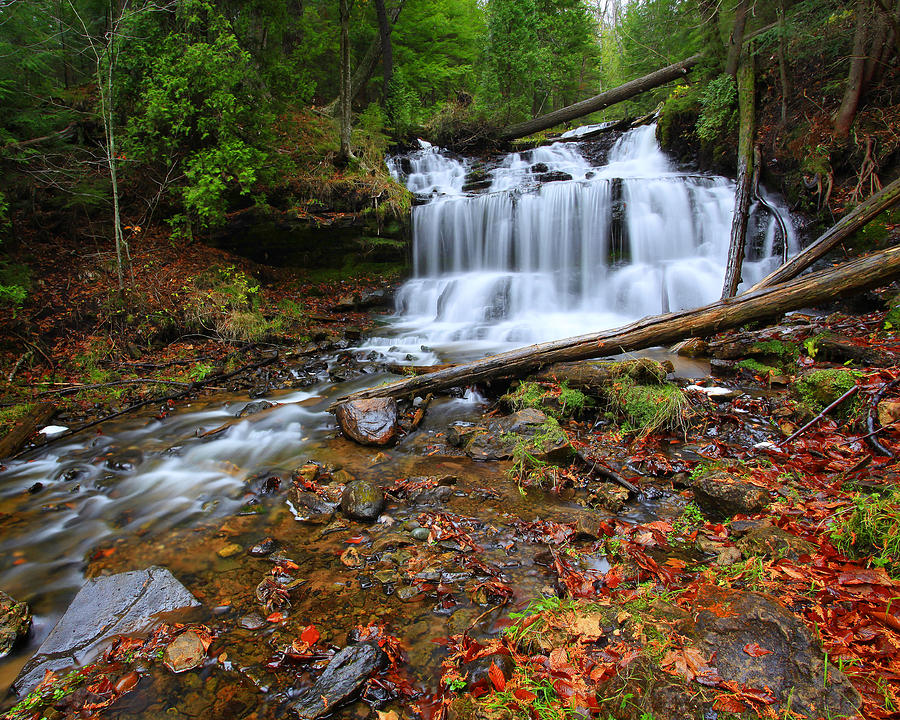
<point>528,262</point>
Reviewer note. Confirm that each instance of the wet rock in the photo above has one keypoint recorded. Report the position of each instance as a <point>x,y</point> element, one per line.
<point>342,477</point>
<point>362,500</point>
<point>369,422</point>
<point>553,176</point>
<point>720,495</point>
<point>588,527</point>
<point>263,483</point>
<point>253,621</point>
<point>460,433</point>
<point>308,473</point>
<point>309,507</point>
<point>478,670</point>
<point>539,168</point>
<point>185,652</point>
<point>255,407</point>
<point>408,593</point>
<point>346,672</point>
<point>264,547</point>
<point>728,556</point>
<point>773,542</point>
<point>15,622</point>
<point>125,459</point>
<point>888,412</point>
<point>795,668</point>
<point>608,496</point>
<point>430,496</point>
<point>421,533</point>
<point>541,435</point>
<point>104,607</point>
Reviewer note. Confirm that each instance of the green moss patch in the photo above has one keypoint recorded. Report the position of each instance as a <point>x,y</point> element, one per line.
<point>820,388</point>
<point>649,408</point>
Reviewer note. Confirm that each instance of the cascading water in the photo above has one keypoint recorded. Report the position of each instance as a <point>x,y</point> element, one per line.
<point>556,247</point>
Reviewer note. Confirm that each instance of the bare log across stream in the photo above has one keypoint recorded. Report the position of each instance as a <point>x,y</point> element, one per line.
<point>601,101</point>
<point>812,289</point>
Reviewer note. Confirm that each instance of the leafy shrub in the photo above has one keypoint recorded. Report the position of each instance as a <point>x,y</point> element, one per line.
<point>716,107</point>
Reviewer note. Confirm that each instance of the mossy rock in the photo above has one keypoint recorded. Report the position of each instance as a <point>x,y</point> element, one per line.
<point>820,388</point>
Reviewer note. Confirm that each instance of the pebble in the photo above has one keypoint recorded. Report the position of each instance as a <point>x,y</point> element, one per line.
<point>230,550</point>
<point>253,621</point>
<point>421,533</point>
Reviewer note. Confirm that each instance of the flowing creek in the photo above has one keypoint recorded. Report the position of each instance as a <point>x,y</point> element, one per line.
<point>551,244</point>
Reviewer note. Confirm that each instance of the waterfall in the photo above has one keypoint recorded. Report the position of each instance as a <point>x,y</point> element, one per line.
<point>554,247</point>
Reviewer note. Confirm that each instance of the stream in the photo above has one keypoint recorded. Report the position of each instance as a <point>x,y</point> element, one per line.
<point>533,246</point>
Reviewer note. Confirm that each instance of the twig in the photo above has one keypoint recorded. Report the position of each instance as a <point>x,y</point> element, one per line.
<point>420,412</point>
<point>18,364</point>
<point>159,366</point>
<point>137,381</point>
<point>852,391</point>
<point>607,473</point>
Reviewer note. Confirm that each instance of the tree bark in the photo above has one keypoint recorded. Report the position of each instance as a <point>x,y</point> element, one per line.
<point>736,40</point>
<point>345,100</point>
<point>747,109</point>
<point>846,226</point>
<point>366,66</point>
<point>387,51</point>
<point>25,428</point>
<point>601,101</point>
<point>843,119</point>
<point>812,289</point>
<point>783,74</point>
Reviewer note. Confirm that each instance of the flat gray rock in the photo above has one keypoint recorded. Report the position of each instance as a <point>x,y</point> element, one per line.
<point>104,607</point>
<point>346,672</point>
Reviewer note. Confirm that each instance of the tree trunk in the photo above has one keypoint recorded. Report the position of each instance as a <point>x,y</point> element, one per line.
<point>345,101</point>
<point>783,74</point>
<point>601,101</point>
<point>736,40</point>
<point>387,52</point>
<point>747,109</point>
<point>366,66</point>
<point>812,289</point>
<point>25,428</point>
<point>846,226</point>
<point>843,119</point>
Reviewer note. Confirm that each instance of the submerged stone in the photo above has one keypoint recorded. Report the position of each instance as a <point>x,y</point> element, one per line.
<point>362,500</point>
<point>346,672</point>
<point>15,622</point>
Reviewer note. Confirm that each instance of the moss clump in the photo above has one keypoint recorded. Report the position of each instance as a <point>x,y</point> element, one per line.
<point>820,388</point>
<point>892,319</point>
<point>527,395</point>
<point>558,402</point>
<point>776,348</point>
<point>572,401</point>
<point>758,368</point>
<point>649,408</point>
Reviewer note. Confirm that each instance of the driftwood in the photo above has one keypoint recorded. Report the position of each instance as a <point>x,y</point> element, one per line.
<point>26,427</point>
<point>853,276</point>
<point>845,227</point>
<point>601,101</point>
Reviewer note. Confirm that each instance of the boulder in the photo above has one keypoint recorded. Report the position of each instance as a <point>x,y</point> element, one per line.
<point>773,542</point>
<point>720,495</point>
<point>362,500</point>
<point>255,407</point>
<point>369,422</point>
<point>346,672</point>
<point>541,435</point>
<point>15,622</point>
<point>308,506</point>
<point>121,604</point>
<point>794,669</point>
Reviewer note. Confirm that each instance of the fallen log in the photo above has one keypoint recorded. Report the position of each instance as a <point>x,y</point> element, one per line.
<point>846,226</point>
<point>850,277</point>
<point>25,428</point>
<point>601,101</point>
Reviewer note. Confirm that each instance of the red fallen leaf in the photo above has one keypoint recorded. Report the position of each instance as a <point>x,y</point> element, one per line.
<point>754,650</point>
<point>310,635</point>
<point>613,577</point>
<point>523,694</point>
<point>865,576</point>
<point>729,704</point>
<point>355,540</point>
<point>497,679</point>
<point>889,620</point>
<point>275,617</point>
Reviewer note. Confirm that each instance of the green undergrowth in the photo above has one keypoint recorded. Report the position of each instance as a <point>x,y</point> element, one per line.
<point>758,368</point>
<point>530,467</point>
<point>871,528</point>
<point>558,401</point>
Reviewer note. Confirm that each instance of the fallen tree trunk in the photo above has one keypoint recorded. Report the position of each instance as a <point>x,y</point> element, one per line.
<point>601,101</point>
<point>25,428</point>
<point>850,277</point>
<point>845,227</point>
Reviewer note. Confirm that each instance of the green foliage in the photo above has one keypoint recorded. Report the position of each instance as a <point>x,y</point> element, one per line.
<point>892,318</point>
<point>758,368</point>
<point>193,96</point>
<point>564,402</point>
<point>871,528</point>
<point>717,107</point>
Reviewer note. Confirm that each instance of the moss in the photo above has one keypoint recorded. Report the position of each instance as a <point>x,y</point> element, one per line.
<point>758,368</point>
<point>777,348</point>
<point>822,387</point>
<point>877,234</point>
<point>9,416</point>
<point>572,401</point>
<point>649,408</point>
<point>558,402</point>
<point>526,395</point>
<point>892,318</point>
<point>871,527</point>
